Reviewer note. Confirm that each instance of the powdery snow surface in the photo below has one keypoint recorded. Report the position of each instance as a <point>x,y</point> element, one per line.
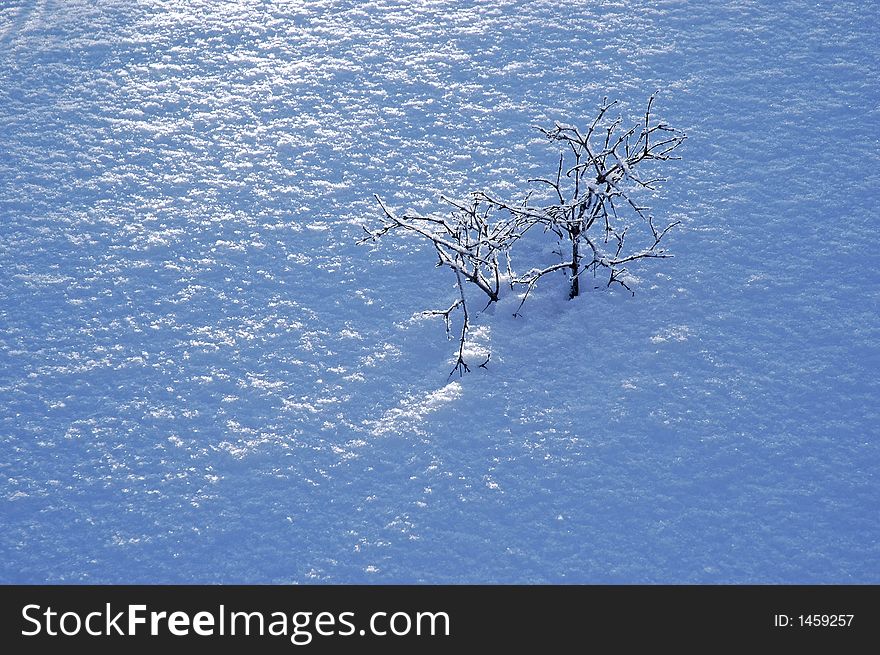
<point>204,379</point>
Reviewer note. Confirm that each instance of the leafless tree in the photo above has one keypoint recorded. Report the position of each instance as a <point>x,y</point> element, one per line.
<point>591,204</point>
<point>469,242</point>
<point>594,186</point>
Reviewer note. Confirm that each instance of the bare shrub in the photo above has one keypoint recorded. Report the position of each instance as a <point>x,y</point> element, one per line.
<point>590,203</point>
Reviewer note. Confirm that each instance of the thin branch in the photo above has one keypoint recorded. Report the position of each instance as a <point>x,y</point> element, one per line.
<point>445,313</point>
<point>460,365</point>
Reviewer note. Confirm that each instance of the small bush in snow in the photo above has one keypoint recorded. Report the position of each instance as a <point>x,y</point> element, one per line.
<point>589,203</point>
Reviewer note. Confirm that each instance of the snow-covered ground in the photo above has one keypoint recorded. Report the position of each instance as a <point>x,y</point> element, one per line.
<point>204,379</point>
